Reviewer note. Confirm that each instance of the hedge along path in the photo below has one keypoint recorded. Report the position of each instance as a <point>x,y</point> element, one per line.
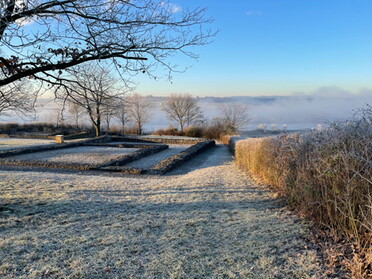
<point>205,219</point>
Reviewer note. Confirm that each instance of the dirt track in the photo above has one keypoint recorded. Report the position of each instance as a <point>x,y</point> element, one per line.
<point>206,219</point>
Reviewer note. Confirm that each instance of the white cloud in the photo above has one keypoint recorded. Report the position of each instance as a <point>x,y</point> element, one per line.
<point>171,7</point>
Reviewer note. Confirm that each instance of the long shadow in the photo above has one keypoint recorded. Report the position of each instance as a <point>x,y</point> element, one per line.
<point>164,191</point>
<point>218,230</point>
<point>213,157</point>
<point>103,209</point>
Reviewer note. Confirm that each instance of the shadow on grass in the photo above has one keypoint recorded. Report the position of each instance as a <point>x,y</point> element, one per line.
<point>49,209</point>
<point>213,157</point>
<point>209,239</point>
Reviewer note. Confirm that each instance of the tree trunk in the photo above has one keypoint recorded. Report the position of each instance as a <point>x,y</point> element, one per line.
<point>139,129</point>
<point>181,126</point>
<point>123,125</point>
<point>97,127</point>
<point>97,130</point>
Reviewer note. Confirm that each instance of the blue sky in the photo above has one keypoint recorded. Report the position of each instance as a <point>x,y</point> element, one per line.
<point>277,47</point>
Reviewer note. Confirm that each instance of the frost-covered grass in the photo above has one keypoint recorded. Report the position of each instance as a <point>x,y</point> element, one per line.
<point>10,143</point>
<point>206,219</point>
<point>82,154</point>
<point>150,161</point>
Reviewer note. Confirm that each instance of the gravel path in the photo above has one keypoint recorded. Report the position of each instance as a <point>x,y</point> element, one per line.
<point>81,154</point>
<point>150,161</point>
<point>206,219</point>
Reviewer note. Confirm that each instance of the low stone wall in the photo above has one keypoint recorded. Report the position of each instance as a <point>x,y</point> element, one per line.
<point>108,165</point>
<point>172,162</point>
<point>79,135</point>
<point>113,165</point>
<point>47,136</point>
<point>46,164</point>
<point>161,139</point>
<point>126,144</point>
<point>123,169</point>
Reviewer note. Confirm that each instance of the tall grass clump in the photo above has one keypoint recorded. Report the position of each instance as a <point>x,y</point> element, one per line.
<point>327,175</point>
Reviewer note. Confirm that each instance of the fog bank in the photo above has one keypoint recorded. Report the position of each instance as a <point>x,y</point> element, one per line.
<point>297,111</point>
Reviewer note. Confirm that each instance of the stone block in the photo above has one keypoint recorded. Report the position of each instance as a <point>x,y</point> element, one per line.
<point>60,139</point>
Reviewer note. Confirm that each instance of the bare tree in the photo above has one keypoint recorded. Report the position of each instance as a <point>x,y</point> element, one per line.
<point>109,110</point>
<point>18,97</point>
<point>139,110</point>
<point>134,36</point>
<point>94,90</point>
<point>76,111</point>
<point>56,115</point>
<point>234,116</point>
<point>183,109</point>
<point>122,114</point>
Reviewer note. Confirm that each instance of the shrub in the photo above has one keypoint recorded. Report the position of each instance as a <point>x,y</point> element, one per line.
<point>159,132</point>
<point>7,127</point>
<point>170,131</point>
<point>195,132</point>
<point>225,139</point>
<point>214,130</point>
<point>327,174</point>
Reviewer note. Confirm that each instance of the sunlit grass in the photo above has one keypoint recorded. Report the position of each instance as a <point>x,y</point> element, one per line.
<point>209,223</point>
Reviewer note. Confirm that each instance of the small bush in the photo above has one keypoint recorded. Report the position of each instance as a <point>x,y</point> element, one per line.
<point>327,174</point>
<point>171,131</point>
<point>159,132</point>
<point>214,131</point>
<point>7,127</point>
<point>195,132</point>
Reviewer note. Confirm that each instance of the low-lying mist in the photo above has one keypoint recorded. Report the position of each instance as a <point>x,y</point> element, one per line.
<point>297,111</point>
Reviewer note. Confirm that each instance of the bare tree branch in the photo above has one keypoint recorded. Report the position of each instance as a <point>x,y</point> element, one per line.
<point>63,34</point>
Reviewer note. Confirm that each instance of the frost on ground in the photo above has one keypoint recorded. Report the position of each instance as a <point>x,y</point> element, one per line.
<point>150,161</point>
<point>82,154</point>
<point>10,143</point>
<point>206,219</point>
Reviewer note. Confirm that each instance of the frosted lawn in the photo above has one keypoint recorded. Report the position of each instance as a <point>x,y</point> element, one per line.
<point>82,154</point>
<point>206,219</point>
<point>10,143</point>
